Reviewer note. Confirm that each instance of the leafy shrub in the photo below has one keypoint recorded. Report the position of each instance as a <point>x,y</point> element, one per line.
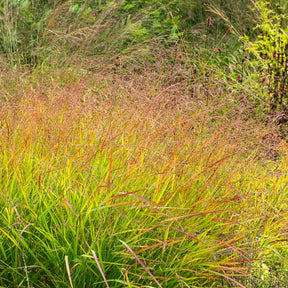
<point>271,50</point>
<point>32,31</point>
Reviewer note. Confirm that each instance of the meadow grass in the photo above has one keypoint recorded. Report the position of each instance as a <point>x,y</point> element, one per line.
<point>109,181</point>
<point>146,160</point>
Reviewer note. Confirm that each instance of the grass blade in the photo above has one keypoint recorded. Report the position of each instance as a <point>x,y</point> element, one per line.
<point>141,263</point>
<point>99,266</point>
<point>68,270</point>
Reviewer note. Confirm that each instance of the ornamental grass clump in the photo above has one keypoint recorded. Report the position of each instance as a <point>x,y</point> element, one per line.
<point>114,191</point>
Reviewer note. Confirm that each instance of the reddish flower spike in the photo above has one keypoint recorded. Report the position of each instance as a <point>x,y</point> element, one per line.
<point>264,78</point>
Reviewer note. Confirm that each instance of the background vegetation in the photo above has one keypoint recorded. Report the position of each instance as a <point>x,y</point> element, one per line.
<point>143,143</point>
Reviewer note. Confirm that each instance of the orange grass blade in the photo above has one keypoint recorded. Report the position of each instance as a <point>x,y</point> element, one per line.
<point>164,243</point>
<point>141,263</point>
<point>231,279</point>
<point>188,234</point>
<point>70,207</point>
<point>192,215</point>
<point>122,194</point>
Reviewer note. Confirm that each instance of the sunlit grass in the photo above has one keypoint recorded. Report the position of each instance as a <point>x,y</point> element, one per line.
<point>134,192</point>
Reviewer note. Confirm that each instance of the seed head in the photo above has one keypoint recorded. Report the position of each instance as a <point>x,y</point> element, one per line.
<point>264,78</point>
<point>170,15</point>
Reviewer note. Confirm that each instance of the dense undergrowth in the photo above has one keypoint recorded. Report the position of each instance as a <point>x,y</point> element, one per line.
<point>154,166</point>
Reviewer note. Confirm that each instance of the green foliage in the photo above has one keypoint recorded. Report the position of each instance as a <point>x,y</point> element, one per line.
<point>156,21</point>
<point>271,51</point>
<point>36,31</point>
<point>22,24</point>
<point>28,26</point>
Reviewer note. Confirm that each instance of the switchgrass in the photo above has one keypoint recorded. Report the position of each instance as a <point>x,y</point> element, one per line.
<point>107,182</point>
<point>156,171</point>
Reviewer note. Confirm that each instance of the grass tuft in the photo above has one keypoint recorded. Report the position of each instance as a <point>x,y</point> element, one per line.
<point>87,170</point>
<point>148,163</point>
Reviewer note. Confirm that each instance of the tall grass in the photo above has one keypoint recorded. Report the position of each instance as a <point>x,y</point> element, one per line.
<point>157,171</point>
<point>111,192</point>
<point>33,32</point>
